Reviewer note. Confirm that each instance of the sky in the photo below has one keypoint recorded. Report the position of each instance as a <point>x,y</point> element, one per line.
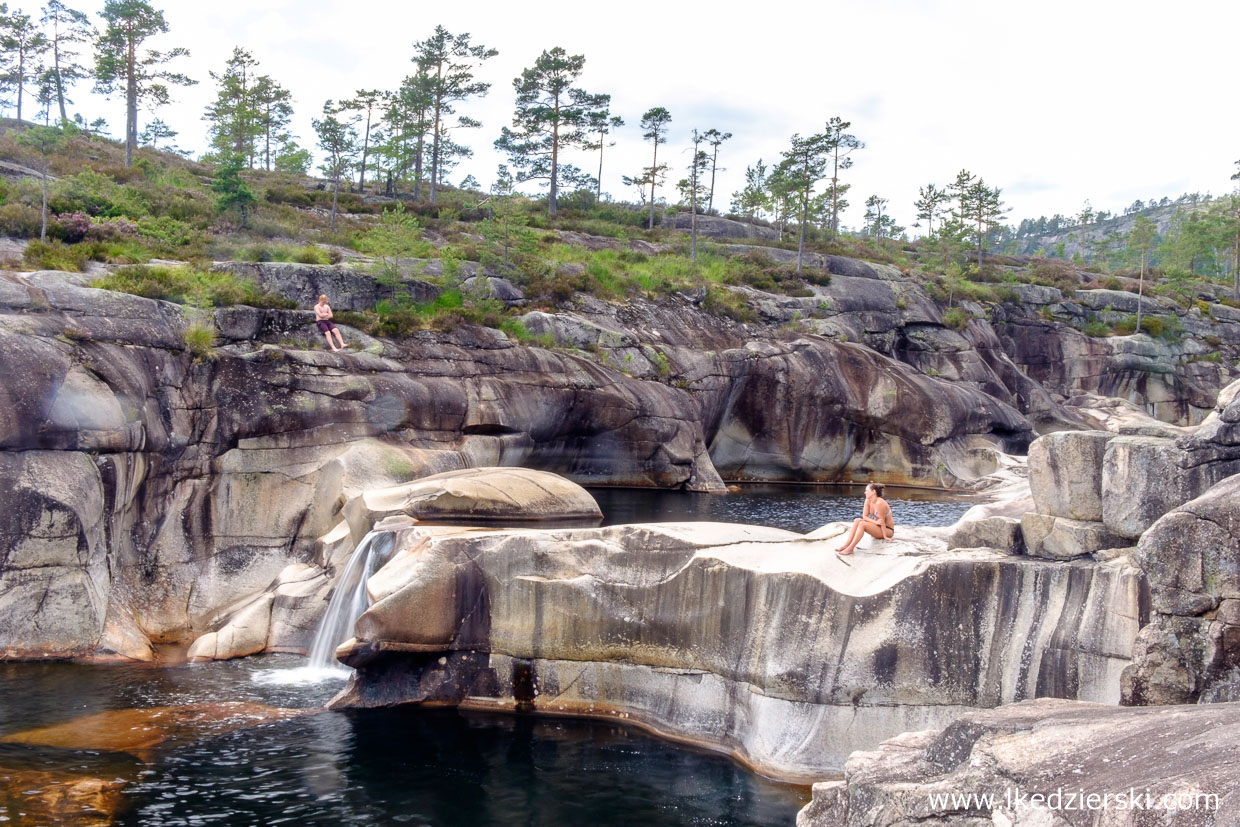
<point>1055,102</point>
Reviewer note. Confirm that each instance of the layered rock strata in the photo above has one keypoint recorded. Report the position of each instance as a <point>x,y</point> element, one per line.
<point>149,493</point>
<point>755,641</point>
<point>1049,763</point>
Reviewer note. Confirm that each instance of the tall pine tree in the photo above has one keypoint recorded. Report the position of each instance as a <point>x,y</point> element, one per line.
<point>448,61</point>
<point>551,116</point>
<point>121,65</point>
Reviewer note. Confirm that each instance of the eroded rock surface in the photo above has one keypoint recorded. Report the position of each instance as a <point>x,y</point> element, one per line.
<point>1049,763</point>
<point>756,641</point>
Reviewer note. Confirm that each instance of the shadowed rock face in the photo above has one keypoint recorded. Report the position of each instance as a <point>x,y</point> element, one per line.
<point>1036,761</point>
<point>152,492</point>
<point>755,641</point>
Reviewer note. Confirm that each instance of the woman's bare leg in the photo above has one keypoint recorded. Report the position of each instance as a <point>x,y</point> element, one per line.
<point>866,528</point>
<point>852,534</point>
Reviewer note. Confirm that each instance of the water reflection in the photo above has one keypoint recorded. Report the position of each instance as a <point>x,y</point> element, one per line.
<point>799,508</point>
<point>415,766</point>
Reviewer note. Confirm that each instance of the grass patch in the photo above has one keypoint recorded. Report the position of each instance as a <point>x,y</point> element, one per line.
<point>189,285</point>
<point>200,340</point>
<point>54,255</point>
<point>955,318</point>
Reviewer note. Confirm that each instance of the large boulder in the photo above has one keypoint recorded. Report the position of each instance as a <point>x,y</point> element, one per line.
<point>1191,559</point>
<point>1065,474</point>
<point>752,640</point>
<point>1049,763</point>
<point>486,494</point>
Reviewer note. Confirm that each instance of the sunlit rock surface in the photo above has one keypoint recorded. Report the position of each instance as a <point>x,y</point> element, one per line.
<point>752,640</point>
<point>1049,763</point>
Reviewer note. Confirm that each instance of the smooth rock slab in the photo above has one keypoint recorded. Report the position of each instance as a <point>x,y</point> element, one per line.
<point>752,640</point>
<point>1065,474</point>
<point>497,493</point>
<point>1058,538</point>
<point>1060,751</point>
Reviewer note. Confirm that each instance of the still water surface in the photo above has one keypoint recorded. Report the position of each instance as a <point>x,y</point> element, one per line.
<point>404,766</point>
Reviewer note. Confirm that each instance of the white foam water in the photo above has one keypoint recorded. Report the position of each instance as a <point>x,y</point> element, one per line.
<point>347,603</point>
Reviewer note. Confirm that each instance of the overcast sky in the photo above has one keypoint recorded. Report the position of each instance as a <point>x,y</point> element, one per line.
<point>1055,101</point>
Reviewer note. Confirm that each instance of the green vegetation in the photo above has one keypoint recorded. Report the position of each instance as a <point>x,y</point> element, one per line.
<point>189,285</point>
<point>200,340</point>
<point>955,318</point>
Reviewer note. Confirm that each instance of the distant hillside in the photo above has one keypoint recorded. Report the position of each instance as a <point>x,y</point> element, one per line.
<point>1067,230</point>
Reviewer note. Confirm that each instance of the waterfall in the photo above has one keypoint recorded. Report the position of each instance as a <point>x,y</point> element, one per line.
<point>348,600</point>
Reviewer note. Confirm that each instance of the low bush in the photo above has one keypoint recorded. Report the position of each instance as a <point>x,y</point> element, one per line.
<point>54,255</point>
<point>1053,272</point>
<point>200,340</point>
<point>956,318</point>
<point>20,220</point>
<point>723,302</point>
<point>189,285</point>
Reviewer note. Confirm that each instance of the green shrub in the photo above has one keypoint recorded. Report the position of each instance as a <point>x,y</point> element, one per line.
<point>189,285</point>
<point>1096,329</point>
<point>20,220</point>
<point>956,318</point>
<point>54,256</point>
<point>1053,272</point>
<point>200,340</point>
<point>723,302</point>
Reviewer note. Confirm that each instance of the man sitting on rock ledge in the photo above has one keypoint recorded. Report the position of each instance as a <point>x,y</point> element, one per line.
<point>875,520</point>
<point>323,318</point>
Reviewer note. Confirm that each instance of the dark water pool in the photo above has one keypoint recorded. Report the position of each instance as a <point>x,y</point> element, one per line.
<point>799,508</point>
<point>404,766</point>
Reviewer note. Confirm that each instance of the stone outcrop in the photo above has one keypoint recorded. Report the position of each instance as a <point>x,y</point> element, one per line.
<point>1190,651</point>
<point>712,226</point>
<point>187,487</point>
<point>752,640</point>
<point>1047,762</point>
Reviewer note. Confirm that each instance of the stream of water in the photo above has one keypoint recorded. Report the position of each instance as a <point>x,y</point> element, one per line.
<point>403,766</point>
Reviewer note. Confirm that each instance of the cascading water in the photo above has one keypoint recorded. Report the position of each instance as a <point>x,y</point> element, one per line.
<point>347,603</point>
<point>348,600</point>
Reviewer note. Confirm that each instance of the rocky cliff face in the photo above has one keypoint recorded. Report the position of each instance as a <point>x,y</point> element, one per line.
<point>152,492</point>
<point>1051,763</point>
<point>752,640</point>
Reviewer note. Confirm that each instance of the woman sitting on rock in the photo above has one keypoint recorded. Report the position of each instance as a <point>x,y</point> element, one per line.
<point>875,520</point>
<point>323,318</point>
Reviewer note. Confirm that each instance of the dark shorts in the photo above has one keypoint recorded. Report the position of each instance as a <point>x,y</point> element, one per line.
<point>325,325</point>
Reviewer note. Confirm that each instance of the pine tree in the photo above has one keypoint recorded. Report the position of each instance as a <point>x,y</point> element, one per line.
<point>120,66</point>
<point>23,47</point>
<point>693,189</point>
<point>551,116</point>
<point>338,139</point>
<point>655,122</point>
<point>982,207</point>
<point>231,190</point>
<point>931,203</point>
<point>448,62</point>
<point>233,117</point>
<point>600,123</point>
<point>45,140</point>
<point>365,102</point>
<point>754,198</point>
<point>68,27</point>
<point>714,137</point>
<point>803,166</point>
<point>1141,239</point>
<point>407,125</point>
<point>155,132</point>
<point>840,146</point>
<point>273,108</point>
